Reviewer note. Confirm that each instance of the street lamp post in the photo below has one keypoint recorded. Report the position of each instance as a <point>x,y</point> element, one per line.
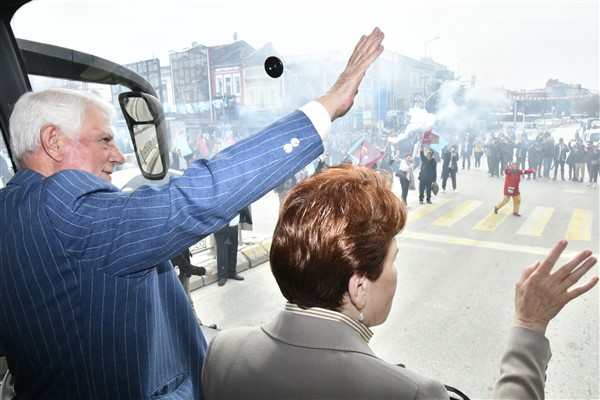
<point>426,43</point>
<point>425,77</point>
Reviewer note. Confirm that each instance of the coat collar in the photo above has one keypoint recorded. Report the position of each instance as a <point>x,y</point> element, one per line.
<point>307,331</point>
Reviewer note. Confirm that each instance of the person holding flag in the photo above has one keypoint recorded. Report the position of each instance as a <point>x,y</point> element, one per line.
<point>428,173</point>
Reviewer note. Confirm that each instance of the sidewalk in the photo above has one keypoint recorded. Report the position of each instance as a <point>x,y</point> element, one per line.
<point>254,251</point>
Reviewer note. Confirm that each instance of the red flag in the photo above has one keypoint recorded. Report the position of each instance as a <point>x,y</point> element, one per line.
<point>436,142</point>
<point>367,154</point>
<point>430,138</point>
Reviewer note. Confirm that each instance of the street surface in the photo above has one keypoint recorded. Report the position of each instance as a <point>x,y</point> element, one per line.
<point>457,266</point>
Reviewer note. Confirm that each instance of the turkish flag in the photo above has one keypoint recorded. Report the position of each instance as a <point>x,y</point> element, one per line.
<point>435,142</point>
<point>430,138</point>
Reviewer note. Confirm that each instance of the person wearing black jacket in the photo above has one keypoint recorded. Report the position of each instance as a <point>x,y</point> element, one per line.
<point>427,175</point>
<point>534,159</point>
<point>226,241</point>
<point>521,151</point>
<point>186,270</point>
<point>593,158</point>
<point>560,156</point>
<point>449,167</point>
<point>547,155</point>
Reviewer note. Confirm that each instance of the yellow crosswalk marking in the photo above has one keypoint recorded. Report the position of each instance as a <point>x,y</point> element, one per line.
<point>459,212</point>
<point>492,221</point>
<point>536,222</point>
<point>580,226</point>
<point>425,209</point>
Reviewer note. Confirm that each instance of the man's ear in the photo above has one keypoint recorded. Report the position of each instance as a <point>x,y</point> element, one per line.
<point>52,142</point>
<point>357,291</point>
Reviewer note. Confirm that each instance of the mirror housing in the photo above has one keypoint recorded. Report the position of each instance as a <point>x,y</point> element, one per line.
<point>146,122</point>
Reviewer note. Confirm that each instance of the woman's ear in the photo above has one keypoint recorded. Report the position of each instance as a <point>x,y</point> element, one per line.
<point>52,141</point>
<point>357,291</point>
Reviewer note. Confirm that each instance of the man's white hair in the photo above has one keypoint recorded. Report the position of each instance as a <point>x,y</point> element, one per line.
<point>63,108</point>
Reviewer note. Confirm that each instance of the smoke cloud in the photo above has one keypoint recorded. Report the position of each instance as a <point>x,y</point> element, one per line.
<point>458,109</point>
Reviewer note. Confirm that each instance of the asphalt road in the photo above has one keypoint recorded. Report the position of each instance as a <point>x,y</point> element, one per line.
<point>457,267</point>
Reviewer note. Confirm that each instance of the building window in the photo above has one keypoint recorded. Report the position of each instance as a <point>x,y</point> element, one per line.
<point>237,85</point>
<point>228,89</point>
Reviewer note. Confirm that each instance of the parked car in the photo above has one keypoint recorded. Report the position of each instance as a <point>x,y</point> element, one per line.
<point>592,135</point>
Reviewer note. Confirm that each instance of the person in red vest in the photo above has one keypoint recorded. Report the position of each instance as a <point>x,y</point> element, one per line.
<point>512,178</point>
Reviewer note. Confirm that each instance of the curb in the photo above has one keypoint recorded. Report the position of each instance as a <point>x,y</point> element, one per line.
<point>254,252</point>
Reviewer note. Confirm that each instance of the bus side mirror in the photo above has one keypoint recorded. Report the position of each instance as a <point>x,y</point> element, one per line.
<point>146,122</point>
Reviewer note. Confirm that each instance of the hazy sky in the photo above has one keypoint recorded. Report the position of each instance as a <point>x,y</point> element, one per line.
<point>513,44</point>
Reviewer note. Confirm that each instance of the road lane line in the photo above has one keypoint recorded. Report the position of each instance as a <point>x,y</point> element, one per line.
<point>484,244</point>
<point>458,213</point>
<point>580,226</point>
<point>425,209</point>
<point>536,222</point>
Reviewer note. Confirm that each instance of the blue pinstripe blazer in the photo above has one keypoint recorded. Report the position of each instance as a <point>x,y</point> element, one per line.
<point>89,305</point>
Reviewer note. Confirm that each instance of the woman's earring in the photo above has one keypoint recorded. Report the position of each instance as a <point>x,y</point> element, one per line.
<point>360,314</point>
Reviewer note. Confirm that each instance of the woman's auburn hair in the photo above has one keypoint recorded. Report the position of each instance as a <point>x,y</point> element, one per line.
<point>338,222</point>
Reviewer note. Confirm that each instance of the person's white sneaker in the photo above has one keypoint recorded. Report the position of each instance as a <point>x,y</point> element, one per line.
<point>454,191</point>
<point>443,190</point>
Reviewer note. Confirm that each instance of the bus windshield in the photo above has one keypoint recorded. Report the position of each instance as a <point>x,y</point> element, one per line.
<point>211,65</point>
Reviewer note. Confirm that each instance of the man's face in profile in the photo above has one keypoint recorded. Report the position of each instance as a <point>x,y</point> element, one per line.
<point>94,150</point>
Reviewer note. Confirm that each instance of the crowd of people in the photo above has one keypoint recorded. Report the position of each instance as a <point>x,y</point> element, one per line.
<point>570,159</point>
<point>574,159</point>
<point>416,165</point>
<point>566,159</point>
